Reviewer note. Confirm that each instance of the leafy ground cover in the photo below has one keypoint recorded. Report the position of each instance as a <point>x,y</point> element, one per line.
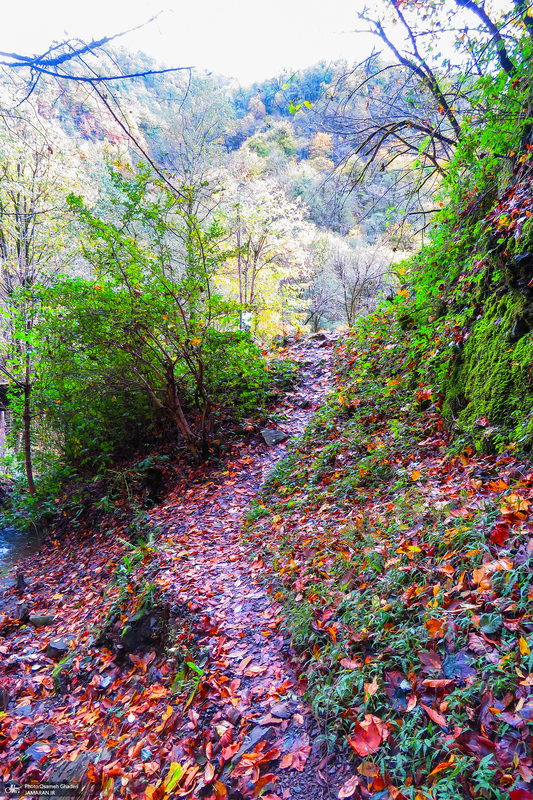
<point>157,667</point>
<point>405,567</point>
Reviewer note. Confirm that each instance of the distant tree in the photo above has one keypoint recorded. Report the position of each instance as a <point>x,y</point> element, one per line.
<point>268,245</point>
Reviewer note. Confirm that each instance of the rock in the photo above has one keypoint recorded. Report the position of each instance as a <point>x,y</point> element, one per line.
<point>61,675</point>
<point>23,612</point>
<point>272,436</point>
<point>304,403</point>
<point>57,649</point>
<point>318,337</point>
<point>41,621</point>
<point>261,733</point>
<point>48,732</point>
<point>4,699</point>
<point>142,628</point>
<point>69,771</point>
<point>23,711</point>
<point>281,710</point>
<point>39,749</point>
<point>21,583</point>
<point>233,716</point>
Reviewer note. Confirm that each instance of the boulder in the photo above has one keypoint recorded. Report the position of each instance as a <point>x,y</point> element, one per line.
<point>70,771</point>
<point>23,613</point>
<point>57,649</point>
<point>41,620</point>
<point>273,437</point>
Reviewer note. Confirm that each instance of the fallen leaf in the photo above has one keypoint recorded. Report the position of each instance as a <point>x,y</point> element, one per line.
<point>349,663</point>
<point>371,688</point>
<point>348,787</point>
<point>524,649</point>
<point>434,715</point>
<point>367,736</point>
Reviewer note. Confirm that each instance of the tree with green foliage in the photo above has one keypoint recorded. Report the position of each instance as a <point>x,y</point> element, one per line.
<point>148,341</point>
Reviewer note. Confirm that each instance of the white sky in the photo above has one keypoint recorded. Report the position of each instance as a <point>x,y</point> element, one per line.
<point>247,39</point>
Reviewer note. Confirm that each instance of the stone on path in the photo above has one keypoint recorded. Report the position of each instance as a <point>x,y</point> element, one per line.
<point>272,436</point>
<point>41,620</point>
<point>57,649</point>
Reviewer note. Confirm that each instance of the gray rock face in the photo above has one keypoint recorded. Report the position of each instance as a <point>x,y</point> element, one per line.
<point>272,436</point>
<point>257,734</point>
<point>38,750</point>
<point>23,612</point>
<point>281,710</point>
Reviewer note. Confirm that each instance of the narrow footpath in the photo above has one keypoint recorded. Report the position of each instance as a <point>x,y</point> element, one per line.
<point>241,729</point>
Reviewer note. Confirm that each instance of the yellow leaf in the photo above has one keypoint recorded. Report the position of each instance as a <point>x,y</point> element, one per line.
<point>415,475</point>
<point>524,649</point>
<point>196,341</point>
<point>174,775</point>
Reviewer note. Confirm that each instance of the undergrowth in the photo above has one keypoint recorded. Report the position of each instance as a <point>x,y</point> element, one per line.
<point>404,558</point>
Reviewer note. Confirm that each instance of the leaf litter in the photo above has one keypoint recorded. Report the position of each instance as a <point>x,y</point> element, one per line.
<point>204,701</point>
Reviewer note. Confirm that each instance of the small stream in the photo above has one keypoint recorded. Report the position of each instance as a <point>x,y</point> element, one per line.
<point>14,542</point>
<point>14,545</point>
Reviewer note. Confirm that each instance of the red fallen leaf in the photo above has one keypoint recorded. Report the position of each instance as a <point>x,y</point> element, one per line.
<point>229,752</point>
<point>500,533</point>
<point>297,755</point>
<point>442,766</point>
<point>263,781</point>
<point>348,787</point>
<point>268,719</point>
<point>475,744</point>
<point>521,794</point>
<point>438,683</point>
<point>435,716</point>
<point>209,772</point>
<point>368,735</point>
<point>430,661</point>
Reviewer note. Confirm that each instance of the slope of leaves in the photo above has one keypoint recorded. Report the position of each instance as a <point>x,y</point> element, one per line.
<point>406,570</point>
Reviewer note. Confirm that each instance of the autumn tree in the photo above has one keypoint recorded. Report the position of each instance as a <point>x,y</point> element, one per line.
<point>268,245</point>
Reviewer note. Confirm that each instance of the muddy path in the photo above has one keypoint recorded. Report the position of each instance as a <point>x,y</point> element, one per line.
<point>218,711</point>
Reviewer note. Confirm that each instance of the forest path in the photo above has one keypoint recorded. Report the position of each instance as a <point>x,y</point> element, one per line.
<point>247,717</point>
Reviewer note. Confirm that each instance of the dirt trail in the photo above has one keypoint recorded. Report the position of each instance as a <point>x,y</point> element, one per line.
<point>121,719</point>
<point>251,693</point>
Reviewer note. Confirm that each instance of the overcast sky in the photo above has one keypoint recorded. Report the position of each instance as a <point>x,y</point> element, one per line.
<point>247,39</point>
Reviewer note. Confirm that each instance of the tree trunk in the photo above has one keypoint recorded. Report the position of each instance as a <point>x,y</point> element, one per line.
<point>27,429</point>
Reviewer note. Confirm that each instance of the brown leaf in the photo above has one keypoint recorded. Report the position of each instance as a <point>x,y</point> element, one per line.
<point>209,773</point>
<point>349,663</point>
<point>434,715</point>
<point>244,663</point>
<point>371,688</point>
<point>348,787</point>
